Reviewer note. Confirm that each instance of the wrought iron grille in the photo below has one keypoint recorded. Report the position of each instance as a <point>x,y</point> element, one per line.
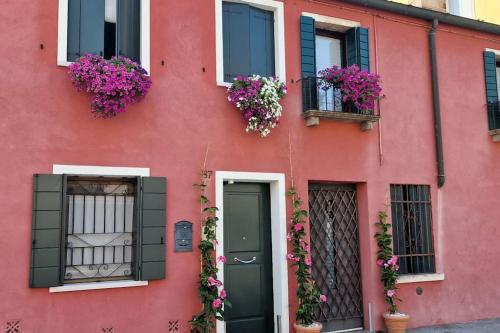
<point>494,115</point>
<point>99,232</point>
<point>335,253</point>
<point>316,97</point>
<point>412,228</point>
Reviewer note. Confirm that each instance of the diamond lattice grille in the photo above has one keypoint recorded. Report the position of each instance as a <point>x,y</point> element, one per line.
<point>335,250</point>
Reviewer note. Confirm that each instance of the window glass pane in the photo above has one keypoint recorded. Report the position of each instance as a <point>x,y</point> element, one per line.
<point>498,78</point>
<point>328,53</point>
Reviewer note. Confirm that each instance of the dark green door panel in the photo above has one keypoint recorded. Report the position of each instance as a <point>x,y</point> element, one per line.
<point>247,247</point>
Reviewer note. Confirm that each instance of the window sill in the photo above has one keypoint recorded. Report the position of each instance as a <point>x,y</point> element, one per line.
<point>495,135</point>
<point>98,285</point>
<point>224,84</point>
<point>366,121</point>
<point>415,278</point>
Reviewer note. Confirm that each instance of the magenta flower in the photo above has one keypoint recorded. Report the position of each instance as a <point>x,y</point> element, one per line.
<point>308,261</point>
<point>222,259</point>
<point>393,261</point>
<point>223,294</point>
<point>213,282</point>
<point>391,293</point>
<point>322,298</point>
<point>380,262</point>
<point>217,303</point>
<point>298,227</point>
<point>114,83</point>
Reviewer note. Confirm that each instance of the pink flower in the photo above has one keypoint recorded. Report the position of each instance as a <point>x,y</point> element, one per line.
<point>290,256</point>
<point>217,303</point>
<point>308,262</point>
<point>298,227</point>
<point>322,298</point>
<point>213,282</point>
<point>393,261</point>
<point>380,262</point>
<point>288,237</point>
<point>222,259</point>
<point>391,293</point>
<point>223,294</point>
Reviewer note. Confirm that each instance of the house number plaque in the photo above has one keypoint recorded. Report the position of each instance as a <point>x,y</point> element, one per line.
<point>183,236</point>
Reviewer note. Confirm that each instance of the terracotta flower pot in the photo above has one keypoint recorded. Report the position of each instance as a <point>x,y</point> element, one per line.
<point>314,328</point>
<point>396,323</point>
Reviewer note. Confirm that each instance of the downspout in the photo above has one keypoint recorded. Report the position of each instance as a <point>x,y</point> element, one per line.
<point>435,103</point>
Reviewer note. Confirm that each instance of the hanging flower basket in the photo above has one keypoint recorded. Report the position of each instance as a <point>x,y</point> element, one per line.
<point>114,83</point>
<point>359,88</point>
<point>258,100</point>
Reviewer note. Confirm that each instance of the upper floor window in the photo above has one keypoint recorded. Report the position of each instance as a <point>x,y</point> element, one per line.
<point>492,83</point>
<point>412,228</point>
<point>104,27</point>
<point>249,39</point>
<point>465,8</point>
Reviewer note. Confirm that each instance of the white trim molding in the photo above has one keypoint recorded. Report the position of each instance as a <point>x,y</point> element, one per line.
<point>279,36</point>
<point>416,278</point>
<point>62,34</point>
<point>278,235</point>
<point>99,170</point>
<point>332,23</point>
<point>98,285</point>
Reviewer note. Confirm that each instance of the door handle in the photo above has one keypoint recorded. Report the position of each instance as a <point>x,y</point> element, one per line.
<point>245,261</point>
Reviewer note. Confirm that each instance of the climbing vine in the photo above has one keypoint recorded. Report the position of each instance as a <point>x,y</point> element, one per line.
<point>387,261</point>
<point>211,292</point>
<point>307,291</point>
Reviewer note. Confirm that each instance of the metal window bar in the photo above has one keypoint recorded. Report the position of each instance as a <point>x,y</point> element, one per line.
<point>317,98</point>
<point>493,115</point>
<point>412,228</point>
<point>99,233</point>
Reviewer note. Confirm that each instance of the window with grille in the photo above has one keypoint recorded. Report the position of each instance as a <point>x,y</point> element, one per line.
<point>100,216</point>
<point>412,228</point>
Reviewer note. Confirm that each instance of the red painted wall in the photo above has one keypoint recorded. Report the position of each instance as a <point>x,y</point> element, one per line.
<point>44,121</point>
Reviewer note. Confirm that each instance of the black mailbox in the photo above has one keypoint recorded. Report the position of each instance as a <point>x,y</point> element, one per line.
<point>183,236</point>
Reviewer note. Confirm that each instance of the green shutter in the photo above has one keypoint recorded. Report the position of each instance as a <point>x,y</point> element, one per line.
<point>152,228</point>
<point>261,42</point>
<point>47,226</point>
<point>308,46</point>
<point>358,48</point>
<point>85,28</point>
<point>490,76</point>
<point>129,29</point>
<point>236,40</point>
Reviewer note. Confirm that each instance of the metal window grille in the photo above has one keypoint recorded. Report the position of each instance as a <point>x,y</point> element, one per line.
<point>412,228</point>
<point>99,231</point>
<point>316,97</point>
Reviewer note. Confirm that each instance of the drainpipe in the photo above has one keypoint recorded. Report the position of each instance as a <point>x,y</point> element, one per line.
<point>435,104</point>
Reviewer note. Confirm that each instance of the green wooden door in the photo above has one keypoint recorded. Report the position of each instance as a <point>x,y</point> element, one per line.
<point>247,247</point>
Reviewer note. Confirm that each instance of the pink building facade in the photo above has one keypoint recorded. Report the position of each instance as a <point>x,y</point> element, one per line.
<point>352,169</point>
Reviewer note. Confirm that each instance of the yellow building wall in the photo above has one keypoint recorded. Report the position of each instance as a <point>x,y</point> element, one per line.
<point>486,10</point>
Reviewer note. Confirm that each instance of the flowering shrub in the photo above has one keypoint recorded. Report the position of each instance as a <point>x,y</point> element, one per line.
<point>114,83</point>
<point>387,261</point>
<point>307,292</point>
<point>258,100</point>
<point>360,87</point>
<point>212,294</point>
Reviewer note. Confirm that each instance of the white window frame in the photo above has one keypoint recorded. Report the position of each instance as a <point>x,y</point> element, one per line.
<point>62,34</point>
<point>60,169</point>
<point>279,37</point>
<point>466,8</point>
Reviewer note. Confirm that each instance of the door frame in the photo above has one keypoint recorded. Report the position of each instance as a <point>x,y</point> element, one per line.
<point>276,183</point>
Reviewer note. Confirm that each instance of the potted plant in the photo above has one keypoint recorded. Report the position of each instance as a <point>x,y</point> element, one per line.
<point>308,293</point>
<point>395,321</point>
<point>359,88</point>
<point>258,98</point>
<point>114,83</point>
